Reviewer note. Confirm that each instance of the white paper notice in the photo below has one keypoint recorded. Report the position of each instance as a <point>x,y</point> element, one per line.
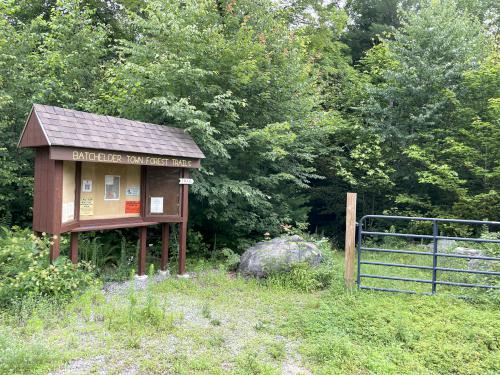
<point>68,211</point>
<point>132,191</point>
<point>87,186</point>
<point>109,180</point>
<point>156,205</point>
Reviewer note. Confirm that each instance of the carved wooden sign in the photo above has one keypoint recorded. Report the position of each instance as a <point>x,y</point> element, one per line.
<point>99,156</point>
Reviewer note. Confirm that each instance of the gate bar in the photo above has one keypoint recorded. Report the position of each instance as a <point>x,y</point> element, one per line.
<point>468,285</point>
<point>463,221</point>
<point>468,271</point>
<point>428,236</point>
<point>397,251</point>
<point>396,278</point>
<point>360,230</point>
<point>429,253</point>
<point>430,268</point>
<point>387,289</point>
<point>467,256</point>
<point>396,265</point>
<point>398,234</point>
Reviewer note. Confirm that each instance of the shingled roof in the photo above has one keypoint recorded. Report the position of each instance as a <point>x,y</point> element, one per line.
<point>67,127</point>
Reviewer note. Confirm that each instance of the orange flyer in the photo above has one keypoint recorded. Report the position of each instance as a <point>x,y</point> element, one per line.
<point>132,207</point>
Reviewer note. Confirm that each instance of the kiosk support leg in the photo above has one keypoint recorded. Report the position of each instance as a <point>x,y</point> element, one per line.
<point>183,226</point>
<point>182,247</point>
<point>73,253</point>
<point>141,261</point>
<point>55,242</point>
<point>165,237</point>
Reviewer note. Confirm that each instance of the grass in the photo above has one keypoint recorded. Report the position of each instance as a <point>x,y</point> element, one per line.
<point>215,323</point>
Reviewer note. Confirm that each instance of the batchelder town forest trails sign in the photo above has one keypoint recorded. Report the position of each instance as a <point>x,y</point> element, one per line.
<point>96,156</point>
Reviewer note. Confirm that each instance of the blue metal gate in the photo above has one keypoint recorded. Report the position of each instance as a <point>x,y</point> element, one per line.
<point>435,255</point>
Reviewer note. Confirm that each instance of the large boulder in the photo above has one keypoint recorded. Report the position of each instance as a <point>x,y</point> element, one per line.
<point>467,251</point>
<point>443,245</point>
<point>474,264</point>
<point>278,255</point>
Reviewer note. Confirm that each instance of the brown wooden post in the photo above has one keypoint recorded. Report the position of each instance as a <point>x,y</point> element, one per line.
<point>165,238</point>
<point>141,260</point>
<point>54,250</point>
<point>78,190</point>
<point>183,225</point>
<point>57,197</point>
<point>350,239</point>
<point>73,251</point>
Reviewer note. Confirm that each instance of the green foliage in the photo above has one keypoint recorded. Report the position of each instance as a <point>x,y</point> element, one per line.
<point>270,93</point>
<point>303,276</point>
<point>18,358</point>
<point>230,259</point>
<point>25,270</point>
<point>370,20</point>
<point>245,106</point>
<point>196,245</point>
<point>423,101</point>
<point>111,259</point>
<point>300,276</point>
<point>50,57</point>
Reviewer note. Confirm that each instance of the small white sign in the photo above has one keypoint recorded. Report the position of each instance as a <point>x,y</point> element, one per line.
<point>156,205</point>
<point>87,186</point>
<point>68,211</point>
<point>132,191</point>
<point>186,181</point>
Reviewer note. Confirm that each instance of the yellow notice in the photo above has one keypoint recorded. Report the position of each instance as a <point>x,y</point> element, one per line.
<point>87,206</point>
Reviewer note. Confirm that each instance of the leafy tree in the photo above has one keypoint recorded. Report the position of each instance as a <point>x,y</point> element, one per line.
<point>370,20</point>
<point>52,61</point>
<point>238,80</point>
<point>349,155</point>
<point>417,105</point>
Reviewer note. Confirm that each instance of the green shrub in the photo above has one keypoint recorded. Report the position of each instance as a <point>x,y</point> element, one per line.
<point>230,260</point>
<point>303,277</point>
<point>196,245</point>
<point>25,269</point>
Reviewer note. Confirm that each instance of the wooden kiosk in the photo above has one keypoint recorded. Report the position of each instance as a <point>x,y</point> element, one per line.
<point>95,172</point>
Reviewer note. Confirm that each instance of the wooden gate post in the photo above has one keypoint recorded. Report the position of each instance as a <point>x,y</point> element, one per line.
<point>350,239</point>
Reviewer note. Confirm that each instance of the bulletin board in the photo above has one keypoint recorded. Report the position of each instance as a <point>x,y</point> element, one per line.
<point>163,195</point>
<point>110,191</point>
